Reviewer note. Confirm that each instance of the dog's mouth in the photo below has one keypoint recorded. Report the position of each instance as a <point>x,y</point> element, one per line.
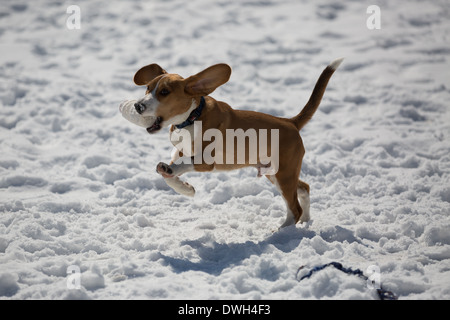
<point>156,126</point>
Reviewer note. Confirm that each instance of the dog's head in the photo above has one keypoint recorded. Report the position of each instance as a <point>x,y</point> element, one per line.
<point>170,98</point>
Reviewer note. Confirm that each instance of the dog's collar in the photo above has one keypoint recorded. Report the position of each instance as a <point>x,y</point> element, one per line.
<point>195,114</point>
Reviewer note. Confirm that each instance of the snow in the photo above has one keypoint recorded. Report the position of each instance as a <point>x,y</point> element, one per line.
<point>78,185</point>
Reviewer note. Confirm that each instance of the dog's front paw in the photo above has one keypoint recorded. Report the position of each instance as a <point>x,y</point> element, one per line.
<point>180,186</point>
<point>164,170</point>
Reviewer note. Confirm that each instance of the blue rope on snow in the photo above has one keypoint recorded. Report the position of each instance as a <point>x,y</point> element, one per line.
<point>382,293</point>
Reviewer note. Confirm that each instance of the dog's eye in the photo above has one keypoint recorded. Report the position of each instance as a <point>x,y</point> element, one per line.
<point>164,92</point>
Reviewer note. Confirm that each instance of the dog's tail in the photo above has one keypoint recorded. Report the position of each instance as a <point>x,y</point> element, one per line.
<point>310,108</point>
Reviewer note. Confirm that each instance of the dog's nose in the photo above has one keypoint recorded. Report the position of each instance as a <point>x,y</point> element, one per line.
<point>140,108</point>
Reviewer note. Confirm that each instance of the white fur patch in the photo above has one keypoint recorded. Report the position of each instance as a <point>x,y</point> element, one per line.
<point>303,197</point>
<point>179,118</point>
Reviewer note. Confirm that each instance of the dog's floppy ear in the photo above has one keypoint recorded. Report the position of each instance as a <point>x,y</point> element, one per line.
<point>206,81</point>
<point>147,74</point>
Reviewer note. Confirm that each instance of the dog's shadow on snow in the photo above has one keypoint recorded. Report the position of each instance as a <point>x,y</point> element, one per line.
<point>215,257</point>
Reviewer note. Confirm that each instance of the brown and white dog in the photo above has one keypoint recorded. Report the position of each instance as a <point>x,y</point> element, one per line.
<point>181,103</point>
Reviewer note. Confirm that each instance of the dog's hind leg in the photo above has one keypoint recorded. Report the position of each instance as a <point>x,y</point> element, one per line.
<point>288,190</point>
<point>294,210</point>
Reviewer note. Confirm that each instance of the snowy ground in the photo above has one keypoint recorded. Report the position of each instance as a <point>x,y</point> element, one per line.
<point>78,185</point>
